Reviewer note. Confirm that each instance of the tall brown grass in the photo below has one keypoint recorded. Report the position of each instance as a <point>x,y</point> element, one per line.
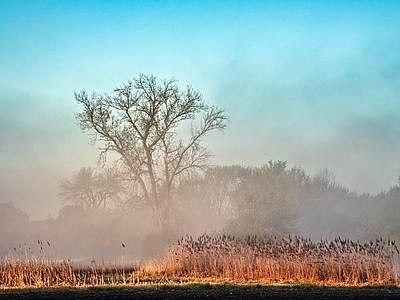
<point>221,258</point>
<point>292,259</point>
<point>46,273</point>
<point>22,268</point>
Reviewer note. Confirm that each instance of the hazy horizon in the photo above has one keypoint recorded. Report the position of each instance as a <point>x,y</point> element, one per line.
<point>313,83</point>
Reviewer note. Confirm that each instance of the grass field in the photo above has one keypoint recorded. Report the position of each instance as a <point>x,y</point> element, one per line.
<point>223,259</point>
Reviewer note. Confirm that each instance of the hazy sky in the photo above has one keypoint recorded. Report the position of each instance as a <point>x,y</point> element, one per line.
<point>316,83</point>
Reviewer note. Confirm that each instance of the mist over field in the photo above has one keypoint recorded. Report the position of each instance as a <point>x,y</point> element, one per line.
<point>309,145</point>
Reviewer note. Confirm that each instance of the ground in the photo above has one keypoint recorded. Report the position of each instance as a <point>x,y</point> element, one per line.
<point>205,292</point>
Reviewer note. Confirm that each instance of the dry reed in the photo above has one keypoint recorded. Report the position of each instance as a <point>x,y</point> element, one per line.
<point>19,270</point>
<point>36,273</point>
<point>222,258</point>
<point>292,259</point>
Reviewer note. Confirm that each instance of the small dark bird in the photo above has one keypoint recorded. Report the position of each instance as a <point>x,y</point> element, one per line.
<point>123,245</point>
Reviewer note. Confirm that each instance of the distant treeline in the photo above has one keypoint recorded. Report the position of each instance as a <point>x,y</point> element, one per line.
<point>103,218</point>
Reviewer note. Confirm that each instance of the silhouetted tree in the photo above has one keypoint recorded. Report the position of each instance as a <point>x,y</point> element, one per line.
<point>139,121</point>
<point>92,190</point>
<point>328,209</point>
<point>382,215</point>
<point>14,227</point>
<point>205,201</point>
<point>264,202</point>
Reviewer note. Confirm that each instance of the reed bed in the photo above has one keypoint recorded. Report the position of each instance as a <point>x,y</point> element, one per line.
<point>22,268</point>
<point>292,259</point>
<point>45,273</point>
<point>222,259</point>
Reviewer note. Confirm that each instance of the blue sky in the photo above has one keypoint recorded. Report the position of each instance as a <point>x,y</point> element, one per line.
<point>316,83</point>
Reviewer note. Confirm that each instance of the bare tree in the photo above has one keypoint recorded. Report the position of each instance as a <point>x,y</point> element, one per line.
<point>139,121</point>
<point>92,190</point>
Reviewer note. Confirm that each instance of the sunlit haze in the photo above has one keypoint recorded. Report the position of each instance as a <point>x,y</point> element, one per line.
<point>313,83</point>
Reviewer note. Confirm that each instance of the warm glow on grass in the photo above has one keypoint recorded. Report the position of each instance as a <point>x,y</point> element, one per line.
<point>225,259</point>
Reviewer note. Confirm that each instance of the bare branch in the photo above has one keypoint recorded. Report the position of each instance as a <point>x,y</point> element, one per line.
<point>139,122</point>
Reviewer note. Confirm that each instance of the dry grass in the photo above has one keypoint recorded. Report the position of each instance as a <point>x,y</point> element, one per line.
<point>268,260</point>
<point>222,259</point>
<point>20,270</point>
<point>37,273</point>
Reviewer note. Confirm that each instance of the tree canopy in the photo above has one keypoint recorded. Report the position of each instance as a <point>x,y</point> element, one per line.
<point>139,122</point>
